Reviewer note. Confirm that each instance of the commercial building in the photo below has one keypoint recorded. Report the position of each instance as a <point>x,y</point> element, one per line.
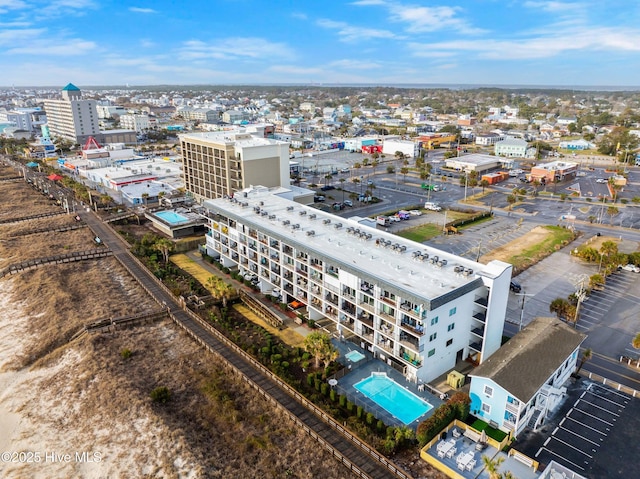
<point>522,383</point>
<point>475,162</point>
<point>222,163</point>
<point>419,309</point>
<point>135,122</point>
<point>72,118</point>
<point>511,148</point>
<point>409,148</point>
<point>489,139</point>
<point>554,171</point>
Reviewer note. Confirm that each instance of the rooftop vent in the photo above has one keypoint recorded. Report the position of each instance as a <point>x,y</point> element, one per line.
<point>285,222</point>
<point>264,213</point>
<point>262,203</point>
<point>303,213</point>
<point>415,254</point>
<point>272,217</point>
<point>245,204</point>
<point>337,226</point>
<point>312,216</point>
<point>311,233</point>
<point>289,208</point>
<point>295,227</point>
<point>403,248</point>
<point>326,221</point>
<point>369,236</point>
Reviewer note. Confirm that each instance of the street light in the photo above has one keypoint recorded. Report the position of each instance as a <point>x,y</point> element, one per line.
<point>524,296</point>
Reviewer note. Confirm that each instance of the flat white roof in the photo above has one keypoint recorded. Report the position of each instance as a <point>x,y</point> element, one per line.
<point>476,159</point>
<point>355,245</point>
<point>556,165</point>
<point>240,138</point>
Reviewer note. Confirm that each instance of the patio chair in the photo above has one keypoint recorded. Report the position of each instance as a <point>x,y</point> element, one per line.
<point>451,452</point>
<point>471,464</point>
<point>441,453</point>
<point>456,433</point>
<point>461,466</point>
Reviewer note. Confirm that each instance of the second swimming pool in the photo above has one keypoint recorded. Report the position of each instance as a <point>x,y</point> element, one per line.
<point>393,398</point>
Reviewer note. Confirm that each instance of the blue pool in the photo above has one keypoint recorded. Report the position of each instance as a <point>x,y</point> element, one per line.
<point>171,217</point>
<point>354,356</point>
<point>393,398</point>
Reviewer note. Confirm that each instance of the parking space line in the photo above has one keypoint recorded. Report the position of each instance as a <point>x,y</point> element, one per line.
<point>595,417</point>
<point>624,396</point>
<point>572,447</point>
<point>600,407</point>
<point>564,459</point>
<point>588,427</point>
<point>606,399</point>
<point>578,435</point>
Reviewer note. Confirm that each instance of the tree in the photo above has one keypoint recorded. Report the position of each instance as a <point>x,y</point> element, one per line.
<point>609,248</point>
<point>484,183</point>
<point>342,180</point>
<point>612,211</point>
<point>559,307</point>
<point>390,169</point>
<point>327,178</point>
<point>492,466</point>
<point>636,341</point>
<point>164,246</point>
<point>145,197</point>
<point>404,170</point>
<point>105,200</point>
<point>511,199</point>
<point>319,345</point>
<point>586,355</point>
<point>375,163</point>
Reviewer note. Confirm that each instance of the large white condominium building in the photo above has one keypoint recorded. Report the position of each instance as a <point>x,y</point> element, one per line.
<point>222,163</point>
<point>72,118</point>
<point>419,309</point>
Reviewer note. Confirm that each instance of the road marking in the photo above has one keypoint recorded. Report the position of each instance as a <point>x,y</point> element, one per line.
<point>573,447</point>
<point>607,399</point>
<point>613,391</point>
<point>581,437</point>
<point>600,407</point>
<point>595,417</point>
<point>564,459</point>
<point>587,426</point>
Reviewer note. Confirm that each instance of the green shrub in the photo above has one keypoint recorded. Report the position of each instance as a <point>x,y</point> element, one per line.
<point>370,418</point>
<point>342,400</point>
<point>306,356</point>
<point>312,323</point>
<point>317,383</point>
<point>311,377</point>
<point>359,412</point>
<point>285,365</point>
<point>380,426</point>
<point>126,353</point>
<point>324,389</point>
<point>350,406</point>
<point>160,394</point>
<point>333,395</point>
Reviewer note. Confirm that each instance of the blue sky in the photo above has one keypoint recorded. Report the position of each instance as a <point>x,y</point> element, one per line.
<point>528,42</point>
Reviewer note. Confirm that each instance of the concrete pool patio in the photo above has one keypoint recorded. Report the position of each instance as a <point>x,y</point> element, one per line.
<point>357,370</point>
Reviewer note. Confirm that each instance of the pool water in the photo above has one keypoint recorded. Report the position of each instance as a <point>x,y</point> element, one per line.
<point>354,356</point>
<point>393,398</point>
<point>171,217</point>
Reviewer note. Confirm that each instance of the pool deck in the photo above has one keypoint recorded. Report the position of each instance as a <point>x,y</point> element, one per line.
<point>355,372</point>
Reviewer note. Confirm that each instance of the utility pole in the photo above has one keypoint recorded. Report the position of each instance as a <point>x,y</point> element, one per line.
<point>524,297</point>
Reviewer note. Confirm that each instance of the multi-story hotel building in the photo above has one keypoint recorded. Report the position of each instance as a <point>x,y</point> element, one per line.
<point>419,309</point>
<point>72,118</point>
<point>222,163</point>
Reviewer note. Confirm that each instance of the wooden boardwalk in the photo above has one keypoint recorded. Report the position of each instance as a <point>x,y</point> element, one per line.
<point>332,436</point>
<point>49,230</point>
<point>57,259</point>
<point>31,217</point>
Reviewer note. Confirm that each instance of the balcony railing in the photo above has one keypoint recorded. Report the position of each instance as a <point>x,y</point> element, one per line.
<point>480,316</point>
<point>368,320</point>
<point>388,300</point>
<point>478,332</point>
<point>482,301</point>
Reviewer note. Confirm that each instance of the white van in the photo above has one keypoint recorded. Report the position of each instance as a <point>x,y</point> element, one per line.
<point>431,206</point>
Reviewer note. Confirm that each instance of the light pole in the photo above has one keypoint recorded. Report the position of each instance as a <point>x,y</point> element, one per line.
<point>524,297</point>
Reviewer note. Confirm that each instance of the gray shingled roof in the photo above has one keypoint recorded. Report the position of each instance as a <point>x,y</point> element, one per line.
<point>528,359</point>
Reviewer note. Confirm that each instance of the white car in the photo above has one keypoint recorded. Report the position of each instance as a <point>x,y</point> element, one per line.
<point>415,212</point>
<point>632,268</point>
<point>601,180</point>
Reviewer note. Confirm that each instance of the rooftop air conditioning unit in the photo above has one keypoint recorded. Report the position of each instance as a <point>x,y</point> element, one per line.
<point>289,208</point>
<point>272,217</point>
<point>337,226</point>
<point>403,248</point>
<point>285,222</point>
<point>311,233</point>
<point>302,213</point>
<point>262,203</point>
<point>416,254</point>
<point>312,216</point>
<point>444,262</point>
<point>369,236</point>
<point>245,204</point>
<point>326,221</point>
<point>295,227</point>
<point>264,213</point>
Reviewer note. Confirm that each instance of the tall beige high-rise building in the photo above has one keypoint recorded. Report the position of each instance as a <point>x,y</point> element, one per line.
<point>222,163</point>
<point>72,118</point>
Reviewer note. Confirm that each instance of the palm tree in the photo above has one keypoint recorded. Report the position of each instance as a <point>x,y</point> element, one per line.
<point>612,211</point>
<point>559,306</point>
<point>375,163</point>
<point>636,341</point>
<point>484,183</point>
<point>511,199</point>
<point>404,170</point>
<point>586,355</point>
<point>164,246</point>
<point>492,466</point>
<point>342,180</point>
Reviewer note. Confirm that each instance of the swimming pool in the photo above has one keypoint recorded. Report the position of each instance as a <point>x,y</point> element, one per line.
<point>393,398</point>
<point>171,217</point>
<point>354,356</point>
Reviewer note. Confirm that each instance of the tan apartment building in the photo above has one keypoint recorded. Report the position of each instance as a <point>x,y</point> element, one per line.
<point>72,118</point>
<point>222,163</point>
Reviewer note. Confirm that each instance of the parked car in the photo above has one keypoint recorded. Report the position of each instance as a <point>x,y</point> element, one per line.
<point>344,170</point>
<point>415,212</point>
<point>431,206</point>
<point>601,180</point>
<point>328,187</point>
<point>347,203</point>
<point>631,267</point>
<point>318,199</point>
<point>515,287</point>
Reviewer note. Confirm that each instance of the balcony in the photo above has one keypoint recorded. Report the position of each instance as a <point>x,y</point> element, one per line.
<point>317,266</point>
<point>410,357</point>
<point>367,307</point>
<point>386,328</point>
<point>367,288</point>
<point>388,300</point>
<point>301,273</point>
<point>478,332</point>
<point>288,288</point>
<point>412,326</point>
<point>482,301</point>
<point>386,344</point>
<point>302,257</point>
<point>288,250</point>
<point>316,303</point>
<point>332,272</point>
<point>349,308</point>
<point>366,319</point>
<point>480,316</point>
<point>477,346</point>
<point>366,332</point>
<point>391,315</point>
<point>332,312</point>
<point>333,299</point>
<point>512,408</point>
<point>348,294</point>
<point>411,344</point>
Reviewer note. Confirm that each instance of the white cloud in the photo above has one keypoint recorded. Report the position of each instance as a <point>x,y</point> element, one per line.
<point>25,35</point>
<point>235,48</point>
<point>350,33</point>
<point>555,7</point>
<point>365,3</point>
<point>569,41</point>
<point>71,47</point>
<point>7,5</point>
<point>142,10</point>
<point>299,16</point>
<point>354,65</point>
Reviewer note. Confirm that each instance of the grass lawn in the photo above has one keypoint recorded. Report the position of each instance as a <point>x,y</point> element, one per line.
<point>556,238</point>
<point>421,233</point>
<point>496,434</point>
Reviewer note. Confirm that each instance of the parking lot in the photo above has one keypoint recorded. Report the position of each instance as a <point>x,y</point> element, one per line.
<point>591,434</point>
